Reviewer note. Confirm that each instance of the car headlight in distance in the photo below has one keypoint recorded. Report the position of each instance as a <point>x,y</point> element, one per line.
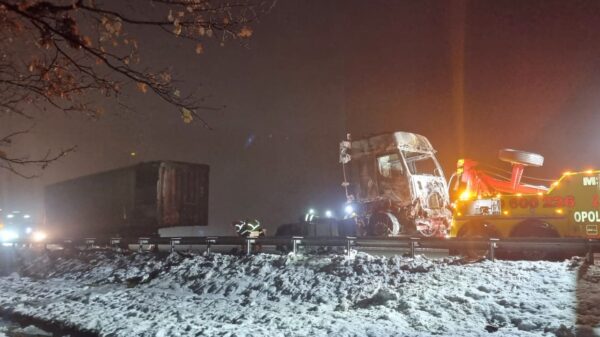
<point>38,236</point>
<point>7,235</point>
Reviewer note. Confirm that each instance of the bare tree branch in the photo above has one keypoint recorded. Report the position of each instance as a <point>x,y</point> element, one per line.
<point>58,54</point>
<point>16,164</point>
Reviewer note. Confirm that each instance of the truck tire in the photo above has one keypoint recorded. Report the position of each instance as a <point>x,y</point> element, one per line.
<point>383,225</point>
<point>521,157</point>
<point>478,231</point>
<point>534,229</point>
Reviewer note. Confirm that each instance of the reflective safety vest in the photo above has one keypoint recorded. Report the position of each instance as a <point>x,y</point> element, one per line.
<point>309,217</point>
<point>246,228</point>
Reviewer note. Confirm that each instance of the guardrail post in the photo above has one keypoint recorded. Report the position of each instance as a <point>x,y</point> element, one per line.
<point>349,245</point>
<point>296,240</point>
<point>89,243</point>
<point>114,243</point>
<point>590,252</point>
<point>249,242</point>
<point>492,249</point>
<point>174,242</point>
<point>414,243</point>
<point>68,244</point>
<point>141,243</point>
<point>209,242</point>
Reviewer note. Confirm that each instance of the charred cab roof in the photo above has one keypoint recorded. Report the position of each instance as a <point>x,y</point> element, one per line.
<point>389,142</point>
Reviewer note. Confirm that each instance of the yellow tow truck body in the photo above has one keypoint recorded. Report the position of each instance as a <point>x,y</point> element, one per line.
<point>570,208</point>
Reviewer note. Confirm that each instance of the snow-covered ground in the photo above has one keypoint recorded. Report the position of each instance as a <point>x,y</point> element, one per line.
<point>269,295</point>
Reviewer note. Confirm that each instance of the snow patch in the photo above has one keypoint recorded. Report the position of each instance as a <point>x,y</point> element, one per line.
<point>224,295</point>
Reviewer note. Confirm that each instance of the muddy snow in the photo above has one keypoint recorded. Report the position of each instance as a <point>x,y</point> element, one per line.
<point>111,294</point>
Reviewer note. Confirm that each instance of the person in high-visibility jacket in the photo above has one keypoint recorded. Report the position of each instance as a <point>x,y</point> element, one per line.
<point>248,228</point>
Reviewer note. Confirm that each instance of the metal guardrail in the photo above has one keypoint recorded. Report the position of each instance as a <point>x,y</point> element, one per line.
<point>412,244</point>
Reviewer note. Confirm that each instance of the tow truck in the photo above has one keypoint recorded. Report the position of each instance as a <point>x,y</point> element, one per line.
<point>492,204</point>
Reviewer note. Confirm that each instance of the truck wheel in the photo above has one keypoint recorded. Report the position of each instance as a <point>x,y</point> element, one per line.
<point>534,229</point>
<point>383,224</point>
<point>521,157</point>
<point>476,231</point>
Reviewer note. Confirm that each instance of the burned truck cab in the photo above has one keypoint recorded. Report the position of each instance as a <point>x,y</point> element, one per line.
<point>395,186</point>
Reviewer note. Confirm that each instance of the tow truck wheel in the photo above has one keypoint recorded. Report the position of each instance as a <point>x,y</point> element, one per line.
<point>534,229</point>
<point>475,231</point>
<point>521,157</point>
<point>381,224</point>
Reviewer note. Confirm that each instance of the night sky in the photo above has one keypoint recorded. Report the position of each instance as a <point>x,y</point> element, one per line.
<point>473,77</point>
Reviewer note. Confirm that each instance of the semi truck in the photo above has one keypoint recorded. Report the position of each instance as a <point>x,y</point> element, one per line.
<point>395,185</point>
<point>130,201</point>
